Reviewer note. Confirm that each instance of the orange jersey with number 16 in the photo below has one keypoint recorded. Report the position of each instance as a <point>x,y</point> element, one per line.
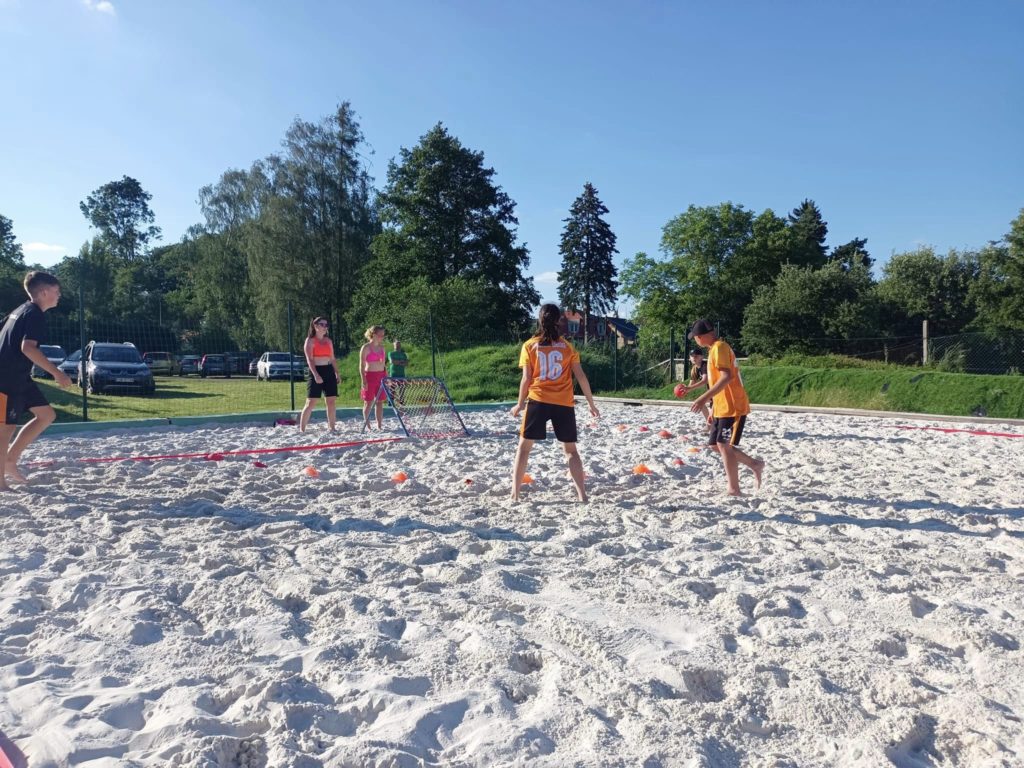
<point>551,366</point>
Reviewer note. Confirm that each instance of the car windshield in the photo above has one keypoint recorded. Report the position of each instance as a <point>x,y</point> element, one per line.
<point>277,357</point>
<point>75,356</point>
<point>51,351</point>
<point>189,359</point>
<point>157,356</point>
<point>116,355</point>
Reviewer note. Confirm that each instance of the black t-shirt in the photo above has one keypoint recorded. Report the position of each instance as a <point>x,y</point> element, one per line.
<point>26,322</point>
<point>698,372</point>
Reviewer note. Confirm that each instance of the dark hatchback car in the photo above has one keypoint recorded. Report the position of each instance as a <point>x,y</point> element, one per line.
<point>215,365</point>
<point>189,365</point>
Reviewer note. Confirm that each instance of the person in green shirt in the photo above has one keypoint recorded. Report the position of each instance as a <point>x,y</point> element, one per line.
<point>397,361</point>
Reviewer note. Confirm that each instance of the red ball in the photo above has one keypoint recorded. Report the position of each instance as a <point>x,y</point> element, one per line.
<point>680,390</point>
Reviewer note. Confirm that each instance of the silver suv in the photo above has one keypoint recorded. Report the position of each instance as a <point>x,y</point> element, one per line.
<point>110,366</point>
<point>54,354</point>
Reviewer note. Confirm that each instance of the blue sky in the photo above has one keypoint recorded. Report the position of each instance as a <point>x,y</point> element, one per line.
<point>902,120</point>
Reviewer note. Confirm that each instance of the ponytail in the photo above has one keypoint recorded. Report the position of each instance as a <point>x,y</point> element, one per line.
<point>547,323</point>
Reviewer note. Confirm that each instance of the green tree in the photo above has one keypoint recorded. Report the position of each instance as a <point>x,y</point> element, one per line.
<point>714,259</point>
<point>998,293</point>
<point>120,211</point>
<point>12,268</point>
<point>921,285</point>
<point>852,254</point>
<point>587,278</point>
<point>805,308</point>
<point>808,231</point>
<point>444,217</point>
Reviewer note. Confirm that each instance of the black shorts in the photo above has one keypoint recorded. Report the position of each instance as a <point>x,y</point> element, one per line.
<point>330,386</point>
<point>536,418</point>
<point>18,397</point>
<point>728,430</point>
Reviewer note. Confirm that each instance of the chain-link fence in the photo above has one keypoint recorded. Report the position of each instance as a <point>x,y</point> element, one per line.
<point>148,369</point>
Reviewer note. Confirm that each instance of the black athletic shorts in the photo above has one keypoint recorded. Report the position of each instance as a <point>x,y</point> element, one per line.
<point>728,430</point>
<point>18,397</point>
<point>536,418</point>
<point>330,386</point>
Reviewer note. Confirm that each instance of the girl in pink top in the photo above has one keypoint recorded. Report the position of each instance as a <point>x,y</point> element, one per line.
<point>371,370</point>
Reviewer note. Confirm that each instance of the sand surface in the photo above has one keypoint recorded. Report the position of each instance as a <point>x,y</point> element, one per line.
<point>864,608</point>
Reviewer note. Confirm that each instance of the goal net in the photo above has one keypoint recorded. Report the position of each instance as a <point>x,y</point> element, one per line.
<point>424,407</point>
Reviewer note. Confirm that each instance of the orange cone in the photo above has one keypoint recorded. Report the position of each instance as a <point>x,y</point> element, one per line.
<point>527,480</point>
<point>665,434</point>
<point>642,469</point>
<point>311,471</point>
<point>399,477</point>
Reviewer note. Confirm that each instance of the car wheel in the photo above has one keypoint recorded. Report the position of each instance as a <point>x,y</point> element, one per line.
<point>227,375</point>
<point>92,389</point>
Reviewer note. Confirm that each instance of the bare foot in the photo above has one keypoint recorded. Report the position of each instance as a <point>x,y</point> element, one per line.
<point>735,494</point>
<point>514,497</point>
<point>5,488</point>
<point>11,471</point>
<point>758,469</point>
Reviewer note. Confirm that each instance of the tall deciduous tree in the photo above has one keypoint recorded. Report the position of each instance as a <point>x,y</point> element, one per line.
<point>120,211</point>
<point>587,278</point>
<point>445,218</point>
<point>998,293</point>
<point>714,259</point>
<point>12,267</point>
<point>922,285</point>
<point>805,308</point>
<point>10,248</point>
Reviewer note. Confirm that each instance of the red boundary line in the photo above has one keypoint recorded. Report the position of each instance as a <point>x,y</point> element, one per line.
<point>967,431</point>
<point>215,455</point>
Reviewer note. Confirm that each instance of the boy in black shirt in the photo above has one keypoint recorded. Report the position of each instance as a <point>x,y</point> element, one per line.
<point>19,349</point>
<point>698,378</point>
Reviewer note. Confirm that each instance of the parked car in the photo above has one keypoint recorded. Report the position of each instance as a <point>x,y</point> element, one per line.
<point>109,366</point>
<point>252,366</point>
<point>189,364</point>
<point>276,365</point>
<point>162,362</point>
<point>70,365</point>
<point>238,362</point>
<point>54,354</point>
<point>214,365</point>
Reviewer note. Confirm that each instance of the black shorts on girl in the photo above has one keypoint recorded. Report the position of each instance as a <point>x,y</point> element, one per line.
<point>330,386</point>
<point>536,418</point>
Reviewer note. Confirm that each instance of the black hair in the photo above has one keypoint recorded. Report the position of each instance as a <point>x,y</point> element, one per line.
<point>547,323</point>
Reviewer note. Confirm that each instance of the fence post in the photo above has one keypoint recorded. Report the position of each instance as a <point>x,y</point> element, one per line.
<point>686,358</point>
<point>81,342</point>
<point>615,365</point>
<point>671,355</point>
<point>924,342</point>
<point>433,345</point>
<point>291,356</point>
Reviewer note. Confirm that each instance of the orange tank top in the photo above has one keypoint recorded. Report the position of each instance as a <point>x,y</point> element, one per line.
<point>323,347</point>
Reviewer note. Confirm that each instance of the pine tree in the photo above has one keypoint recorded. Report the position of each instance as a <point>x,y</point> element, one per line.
<point>587,280</point>
<point>807,232</point>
